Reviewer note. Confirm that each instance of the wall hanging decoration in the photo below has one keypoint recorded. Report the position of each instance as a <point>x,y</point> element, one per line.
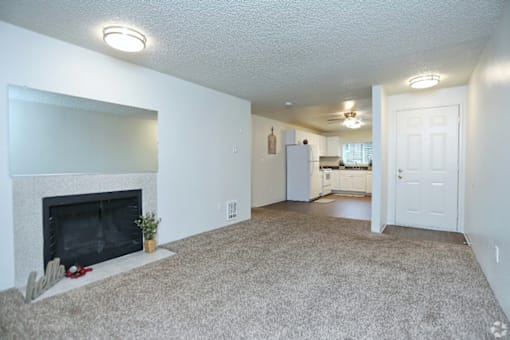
<point>271,143</point>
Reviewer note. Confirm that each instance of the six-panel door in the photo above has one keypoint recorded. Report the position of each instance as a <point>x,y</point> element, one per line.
<point>427,167</point>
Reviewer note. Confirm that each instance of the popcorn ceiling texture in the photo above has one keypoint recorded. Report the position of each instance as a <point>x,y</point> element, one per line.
<point>281,275</point>
<point>28,192</point>
<point>308,51</point>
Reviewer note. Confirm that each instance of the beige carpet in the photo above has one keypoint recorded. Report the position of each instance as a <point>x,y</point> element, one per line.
<point>281,275</point>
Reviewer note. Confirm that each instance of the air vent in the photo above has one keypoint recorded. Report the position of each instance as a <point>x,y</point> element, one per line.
<point>231,210</point>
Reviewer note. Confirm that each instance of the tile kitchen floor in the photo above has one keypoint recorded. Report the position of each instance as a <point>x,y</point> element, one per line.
<point>358,208</point>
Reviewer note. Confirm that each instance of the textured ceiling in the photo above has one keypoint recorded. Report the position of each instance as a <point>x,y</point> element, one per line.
<point>314,53</point>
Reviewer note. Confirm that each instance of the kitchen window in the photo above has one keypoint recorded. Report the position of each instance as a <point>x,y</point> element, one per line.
<point>357,153</point>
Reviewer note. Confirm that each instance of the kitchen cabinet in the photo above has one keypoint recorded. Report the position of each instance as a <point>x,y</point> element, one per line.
<point>350,180</point>
<point>323,146</point>
<point>333,146</point>
<point>294,136</point>
<point>369,183</point>
<point>335,180</point>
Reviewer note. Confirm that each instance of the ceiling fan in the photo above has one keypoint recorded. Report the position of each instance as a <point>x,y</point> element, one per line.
<point>349,120</point>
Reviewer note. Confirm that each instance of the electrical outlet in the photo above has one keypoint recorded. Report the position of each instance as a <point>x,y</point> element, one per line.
<point>497,253</point>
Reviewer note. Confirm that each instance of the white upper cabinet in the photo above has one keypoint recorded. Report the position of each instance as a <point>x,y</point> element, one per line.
<point>333,146</point>
<point>323,146</point>
<point>293,136</point>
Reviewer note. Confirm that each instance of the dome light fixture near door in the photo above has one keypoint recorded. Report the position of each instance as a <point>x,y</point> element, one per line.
<point>124,38</point>
<point>424,81</point>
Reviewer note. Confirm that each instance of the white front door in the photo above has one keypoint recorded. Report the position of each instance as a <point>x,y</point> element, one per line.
<point>427,168</point>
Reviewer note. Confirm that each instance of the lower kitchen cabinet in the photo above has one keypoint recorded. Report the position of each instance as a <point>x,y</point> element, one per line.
<point>369,183</point>
<point>359,182</point>
<point>335,180</point>
<point>352,180</point>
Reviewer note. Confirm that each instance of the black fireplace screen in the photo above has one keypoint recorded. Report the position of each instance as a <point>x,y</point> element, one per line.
<point>91,228</point>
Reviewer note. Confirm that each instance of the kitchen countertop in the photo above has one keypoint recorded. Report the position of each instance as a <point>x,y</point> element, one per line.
<point>348,168</point>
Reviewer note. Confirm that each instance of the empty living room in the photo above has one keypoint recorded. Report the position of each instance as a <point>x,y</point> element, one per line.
<point>254,170</point>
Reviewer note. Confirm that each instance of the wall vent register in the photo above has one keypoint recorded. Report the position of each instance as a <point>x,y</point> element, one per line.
<point>231,210</point>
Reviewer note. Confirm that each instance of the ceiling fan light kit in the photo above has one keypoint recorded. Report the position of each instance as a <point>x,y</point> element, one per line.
<point>351,121</point>
<point>424,81</point>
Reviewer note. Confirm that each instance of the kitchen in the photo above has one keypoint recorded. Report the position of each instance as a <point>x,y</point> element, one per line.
<point>330,174</point>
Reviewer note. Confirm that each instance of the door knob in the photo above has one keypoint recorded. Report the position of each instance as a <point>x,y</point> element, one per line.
<point>399,177</point>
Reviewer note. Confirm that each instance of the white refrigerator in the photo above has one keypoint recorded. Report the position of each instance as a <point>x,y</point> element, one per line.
<point>303,175</point>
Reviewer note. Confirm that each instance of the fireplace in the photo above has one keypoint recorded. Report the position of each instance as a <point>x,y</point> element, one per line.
<point>91,228</point>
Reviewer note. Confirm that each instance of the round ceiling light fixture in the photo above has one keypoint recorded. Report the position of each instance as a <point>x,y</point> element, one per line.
<point>424,81</point>
<point>124,38</point>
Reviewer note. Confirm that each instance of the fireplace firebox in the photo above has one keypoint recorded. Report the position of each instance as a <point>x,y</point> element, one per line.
<point>91,228</point>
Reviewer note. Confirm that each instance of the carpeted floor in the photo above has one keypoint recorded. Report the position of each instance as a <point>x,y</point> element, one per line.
<point>281,275</point>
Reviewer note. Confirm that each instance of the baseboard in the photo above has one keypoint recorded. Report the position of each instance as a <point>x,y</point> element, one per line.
<point>383,227</point>
<point>468,239</point>
<point>381,231</point>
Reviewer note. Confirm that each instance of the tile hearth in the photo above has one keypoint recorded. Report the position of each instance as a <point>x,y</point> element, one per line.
<point>104,270</point>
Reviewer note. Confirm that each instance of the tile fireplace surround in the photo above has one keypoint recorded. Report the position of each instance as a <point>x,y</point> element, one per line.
<point>28,192</point>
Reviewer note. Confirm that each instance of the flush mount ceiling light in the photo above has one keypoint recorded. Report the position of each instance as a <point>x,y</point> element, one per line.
<point>124,38</point>
<point>424,81</point>
<point>351,121</point>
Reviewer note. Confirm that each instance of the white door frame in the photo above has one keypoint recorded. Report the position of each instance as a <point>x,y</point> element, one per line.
<point>395,164</point>
<point>392,134</point>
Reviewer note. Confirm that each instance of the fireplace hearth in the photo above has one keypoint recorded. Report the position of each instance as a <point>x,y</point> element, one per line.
<point>91,228</point>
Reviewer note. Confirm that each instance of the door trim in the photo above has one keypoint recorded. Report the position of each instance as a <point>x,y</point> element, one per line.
<point>459,227</point>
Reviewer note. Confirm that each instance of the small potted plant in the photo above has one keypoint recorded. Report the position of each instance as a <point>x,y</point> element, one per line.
<point>149,225</point>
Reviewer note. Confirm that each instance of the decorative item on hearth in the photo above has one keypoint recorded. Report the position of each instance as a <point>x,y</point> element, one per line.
<point>77,271</point>
<point>271,143</point>
<point>54,273</point>
<point>149,225</point>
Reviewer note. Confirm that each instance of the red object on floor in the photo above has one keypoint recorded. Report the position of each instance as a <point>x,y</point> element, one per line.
<point>78,271</point>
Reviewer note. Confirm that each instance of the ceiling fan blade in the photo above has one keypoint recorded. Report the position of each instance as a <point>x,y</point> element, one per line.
<point>335,119</point>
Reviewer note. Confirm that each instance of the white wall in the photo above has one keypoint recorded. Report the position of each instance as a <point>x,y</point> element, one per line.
<point>379,159</point>
<point>355,136</point>
<point>268,171</point>
<point>110,143</point>
<point>488,161</point>
<point>268,183</point>
<point>197,130</point>
<point>423,99</point>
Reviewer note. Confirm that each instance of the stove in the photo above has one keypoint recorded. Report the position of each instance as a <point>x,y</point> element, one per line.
<point>326,181</point>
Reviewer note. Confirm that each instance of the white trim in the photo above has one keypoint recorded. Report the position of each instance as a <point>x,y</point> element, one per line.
<point>453,96</point>
<point>395,161</point>
<point>383,227</point>
<point>462,164</point>
<point>468,239</point>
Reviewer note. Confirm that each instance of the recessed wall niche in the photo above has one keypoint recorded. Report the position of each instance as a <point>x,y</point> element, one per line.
<point>51,133</point>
